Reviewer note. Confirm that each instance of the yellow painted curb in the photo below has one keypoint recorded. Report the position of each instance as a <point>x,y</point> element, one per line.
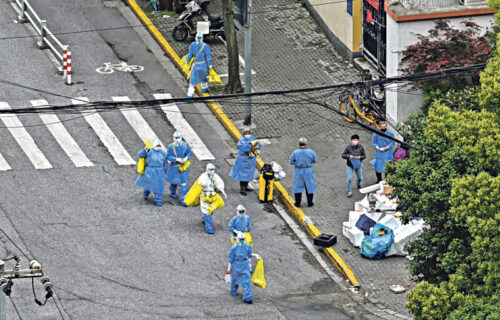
<point>235,133</point>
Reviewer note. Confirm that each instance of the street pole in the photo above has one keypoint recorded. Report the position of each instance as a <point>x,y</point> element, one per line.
<point>2,295</point>
<point>248,63</point>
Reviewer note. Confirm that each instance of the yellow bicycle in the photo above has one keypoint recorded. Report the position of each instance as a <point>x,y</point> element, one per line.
<point>369,109</point>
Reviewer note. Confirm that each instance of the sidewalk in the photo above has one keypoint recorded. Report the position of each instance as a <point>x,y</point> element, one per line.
<point>290,51</point>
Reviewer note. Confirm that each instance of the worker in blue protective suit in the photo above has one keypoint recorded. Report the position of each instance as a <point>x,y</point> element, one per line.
<point>239,258</point>
<point>178,153</point>
<point>202,63</point>
<point>383,150</point>
<point>243,169</point>
<point>241,222</point>
<point>303,177</point>
<point>153,179</point>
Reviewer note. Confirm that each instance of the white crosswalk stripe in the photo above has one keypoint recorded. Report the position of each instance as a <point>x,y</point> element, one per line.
<point>108,138</point>
<point>138,123</point>
<point>62,136</point>
<point>24,139</point>
<point>176,118</point>
<point>4,166</point>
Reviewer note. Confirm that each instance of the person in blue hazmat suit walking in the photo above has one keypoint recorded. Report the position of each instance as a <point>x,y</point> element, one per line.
<point>178,153</point>
<point>243,169</point>
<point>202,63</point>
<point>383,150</point>
<point>239,258</point>
<point>303,176</point>
<point>241,222</point>
<point>153,179</point>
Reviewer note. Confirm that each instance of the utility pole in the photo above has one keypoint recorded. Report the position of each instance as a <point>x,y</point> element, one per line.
<point>248,63</point>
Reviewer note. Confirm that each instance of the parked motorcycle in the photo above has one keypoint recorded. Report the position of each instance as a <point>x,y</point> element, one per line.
<point>195,12</point>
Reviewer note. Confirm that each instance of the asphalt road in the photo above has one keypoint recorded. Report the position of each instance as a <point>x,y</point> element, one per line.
<point>109,253</point>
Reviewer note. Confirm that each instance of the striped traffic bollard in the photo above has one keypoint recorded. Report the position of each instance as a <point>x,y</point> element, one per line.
<point>65,61</point>
<point>68,68</point>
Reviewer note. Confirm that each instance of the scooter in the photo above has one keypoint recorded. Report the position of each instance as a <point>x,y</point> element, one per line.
<point>187,26</point>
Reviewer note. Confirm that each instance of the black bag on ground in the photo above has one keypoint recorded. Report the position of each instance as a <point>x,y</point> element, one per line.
<point>364,224</point>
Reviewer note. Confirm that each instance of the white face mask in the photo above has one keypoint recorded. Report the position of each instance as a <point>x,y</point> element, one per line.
<point>178,141</point>
<point>157,148</point>
<point>247,136</point>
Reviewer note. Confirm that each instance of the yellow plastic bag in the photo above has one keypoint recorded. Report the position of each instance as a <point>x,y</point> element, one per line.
<point>248,239</point>
<point>258,278</point>
<point>213,77</point>
<point>186,67</point>
<point>193,196</point>
<point>183,167</point>
<point>255,153</point>
<point>218,203</point>
<point>141,164</point>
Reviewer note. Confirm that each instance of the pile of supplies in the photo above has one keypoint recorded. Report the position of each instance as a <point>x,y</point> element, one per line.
<point>375,224</point>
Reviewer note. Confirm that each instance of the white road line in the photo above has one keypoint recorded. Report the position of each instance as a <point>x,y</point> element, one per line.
<point>23,138</point>
<point>62,136</point>
<point>4,166</point>
<point>176,118</point>
<point>108,138</point>
<point>137,122</point>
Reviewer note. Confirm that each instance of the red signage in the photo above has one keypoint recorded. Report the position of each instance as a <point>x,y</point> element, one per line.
<point>374,4</point>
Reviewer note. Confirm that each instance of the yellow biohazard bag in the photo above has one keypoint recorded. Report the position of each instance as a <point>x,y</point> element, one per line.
<point>213,77</point>
<point>258,278</point>
<point>248,239</point>
<point>141,164</point>
<point>193,196</point>
<point>218,203</point>
<point>183,167</point>
<point>186,67</point>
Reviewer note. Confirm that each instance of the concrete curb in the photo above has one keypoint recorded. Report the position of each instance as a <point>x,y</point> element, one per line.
<point>304,220</point>
<point>369,303</point>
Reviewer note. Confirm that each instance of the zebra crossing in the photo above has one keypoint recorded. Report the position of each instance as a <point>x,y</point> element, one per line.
<point>101,129</point>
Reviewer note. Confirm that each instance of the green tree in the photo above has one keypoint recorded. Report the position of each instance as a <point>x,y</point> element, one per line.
<point>453,144</point>
<point>472,291</point>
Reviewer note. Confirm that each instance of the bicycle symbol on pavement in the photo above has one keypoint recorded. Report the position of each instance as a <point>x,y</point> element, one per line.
<point>122,66</point>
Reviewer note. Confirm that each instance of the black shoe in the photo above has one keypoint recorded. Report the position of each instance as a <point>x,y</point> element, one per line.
<point>297,205</point>
<point>310,205</point>
<point>359,185</point>
<point>249,302</point>
<point>243,192</point>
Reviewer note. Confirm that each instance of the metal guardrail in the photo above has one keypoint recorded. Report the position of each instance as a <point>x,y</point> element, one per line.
<point>47,38</point>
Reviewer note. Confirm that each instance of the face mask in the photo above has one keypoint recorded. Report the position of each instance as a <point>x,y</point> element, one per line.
<point>242,241</point>
<point>157,148</point>
<point>177,142</point>
<point>242,213</point>
<point>198,40</point>
<point>383,130</point>
<point>247,136</point>
<point>355,142</point>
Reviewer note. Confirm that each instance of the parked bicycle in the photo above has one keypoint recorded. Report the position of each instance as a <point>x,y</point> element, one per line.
<point>366,102</point>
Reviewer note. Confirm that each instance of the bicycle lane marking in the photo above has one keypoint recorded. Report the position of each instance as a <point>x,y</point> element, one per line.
<point>23,138</point>
<point>138,123</point>
<point>180,124</point>
<point>62,136</point>
<point>108,138</point>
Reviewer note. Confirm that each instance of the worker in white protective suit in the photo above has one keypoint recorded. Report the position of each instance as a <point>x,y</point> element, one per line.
<point>210,198</point>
